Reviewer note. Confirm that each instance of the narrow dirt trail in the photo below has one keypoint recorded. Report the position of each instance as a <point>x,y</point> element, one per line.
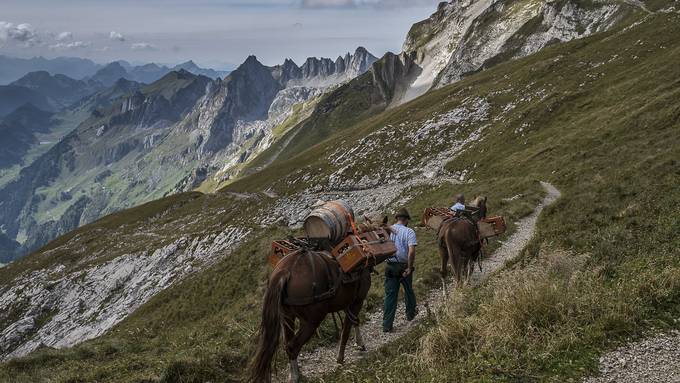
<point>314,363</point>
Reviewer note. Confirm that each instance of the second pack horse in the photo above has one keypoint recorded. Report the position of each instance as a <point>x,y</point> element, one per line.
<point>460,235</point>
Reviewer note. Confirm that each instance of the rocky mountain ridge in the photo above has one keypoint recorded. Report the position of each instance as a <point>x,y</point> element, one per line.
<point>145,141</point>
<point>463,37</point>
<point>13,97</point>
<point>73,67</point>
<point>459,39</point>
<point>60,88</point>
<point>148,73</point>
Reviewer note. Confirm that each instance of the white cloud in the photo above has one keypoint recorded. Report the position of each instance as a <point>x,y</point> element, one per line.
<point>116,36</point>
<point>143,47</point>
<point>23,34</point>
<point>64,36</point>
<point>70,46</point>
<point>328,3</point>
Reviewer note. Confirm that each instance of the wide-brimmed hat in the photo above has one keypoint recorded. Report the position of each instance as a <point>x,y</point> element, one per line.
<point>403,213</point>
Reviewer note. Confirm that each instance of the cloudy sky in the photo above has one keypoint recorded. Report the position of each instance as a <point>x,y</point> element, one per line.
<point>215,33</point>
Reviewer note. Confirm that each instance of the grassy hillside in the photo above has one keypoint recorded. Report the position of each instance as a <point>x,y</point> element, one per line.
<point>598,118</point>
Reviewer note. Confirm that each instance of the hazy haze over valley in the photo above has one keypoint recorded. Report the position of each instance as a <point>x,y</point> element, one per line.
<point>218,34</point>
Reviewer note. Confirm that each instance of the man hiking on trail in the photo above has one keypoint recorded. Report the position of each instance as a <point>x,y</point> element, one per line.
<point>399,271</point>
<point>459,205</point>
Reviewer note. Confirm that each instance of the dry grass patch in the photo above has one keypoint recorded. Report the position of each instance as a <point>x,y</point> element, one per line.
<point>530,317</point>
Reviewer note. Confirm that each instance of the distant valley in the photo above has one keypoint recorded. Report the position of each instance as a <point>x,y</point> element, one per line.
<point>98,145</point>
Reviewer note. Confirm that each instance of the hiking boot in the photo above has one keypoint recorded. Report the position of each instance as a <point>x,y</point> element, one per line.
<point>386,330</point>
<point>409,319</point>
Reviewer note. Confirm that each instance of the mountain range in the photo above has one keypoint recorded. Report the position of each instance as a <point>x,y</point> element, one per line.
<point>12,69</point>
<point>184,131</point>
<point>153,139</point>
<point>148,222</point>
<point>147,73</point>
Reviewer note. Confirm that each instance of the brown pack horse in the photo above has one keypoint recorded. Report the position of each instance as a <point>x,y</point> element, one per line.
<point>459,244</point>
<point>306,286</point>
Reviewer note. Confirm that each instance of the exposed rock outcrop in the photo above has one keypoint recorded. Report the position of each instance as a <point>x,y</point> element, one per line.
<point>153,140</point>
<point>466,36</point>
<point>60,307</point>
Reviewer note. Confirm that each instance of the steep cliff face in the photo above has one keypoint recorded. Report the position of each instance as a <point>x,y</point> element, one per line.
<point>463,37</point>
<point>238,119</point>
<point>460,38</point>
<point>394,74</point>
<point>245,94</point>
<point>68,185</point>
<point>520,31</point>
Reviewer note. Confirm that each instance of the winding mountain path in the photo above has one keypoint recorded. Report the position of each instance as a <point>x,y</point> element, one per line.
<point>316,362</point>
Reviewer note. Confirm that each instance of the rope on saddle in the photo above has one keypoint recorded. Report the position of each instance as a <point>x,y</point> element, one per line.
<point>364,244</point>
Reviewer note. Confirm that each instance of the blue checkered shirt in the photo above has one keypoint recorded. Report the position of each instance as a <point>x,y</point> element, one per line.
<point>403,237</point>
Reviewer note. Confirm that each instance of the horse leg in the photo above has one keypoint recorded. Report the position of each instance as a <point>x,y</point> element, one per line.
<point>456,259</point>
<point>444,255</point>
<point>346,329</point>
<point>458,266</point>
<point>469,268</point>
<point>294,374</point>
<point>355,308</point>
<point>303,336</point>
<point>335,326</point>
<point>360,339</point>
<point>288,335</point>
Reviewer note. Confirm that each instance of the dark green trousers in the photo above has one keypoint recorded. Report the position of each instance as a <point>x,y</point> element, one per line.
<point>393,279</point>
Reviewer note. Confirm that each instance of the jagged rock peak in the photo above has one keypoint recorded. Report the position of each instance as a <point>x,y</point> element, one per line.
<point>251,65</point>
<point>351,64</point>
<point>360,61</point>
<point>251,60</point>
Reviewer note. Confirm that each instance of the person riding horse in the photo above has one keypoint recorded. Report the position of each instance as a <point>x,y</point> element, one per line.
<point>459,205</point>
<point>475,211</point>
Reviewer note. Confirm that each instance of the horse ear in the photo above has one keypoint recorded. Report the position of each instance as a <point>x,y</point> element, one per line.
<point>385,220</point>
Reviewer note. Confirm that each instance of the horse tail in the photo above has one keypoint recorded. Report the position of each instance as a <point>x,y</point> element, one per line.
<point>270,331</point>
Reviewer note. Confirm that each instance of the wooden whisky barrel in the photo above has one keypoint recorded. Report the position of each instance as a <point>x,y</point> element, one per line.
<point>330,221</point>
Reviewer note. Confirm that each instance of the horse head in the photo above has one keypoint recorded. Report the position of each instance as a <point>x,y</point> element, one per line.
<point>480,204</point>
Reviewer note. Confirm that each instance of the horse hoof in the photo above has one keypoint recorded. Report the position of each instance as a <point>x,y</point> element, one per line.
<point>341,360</point>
